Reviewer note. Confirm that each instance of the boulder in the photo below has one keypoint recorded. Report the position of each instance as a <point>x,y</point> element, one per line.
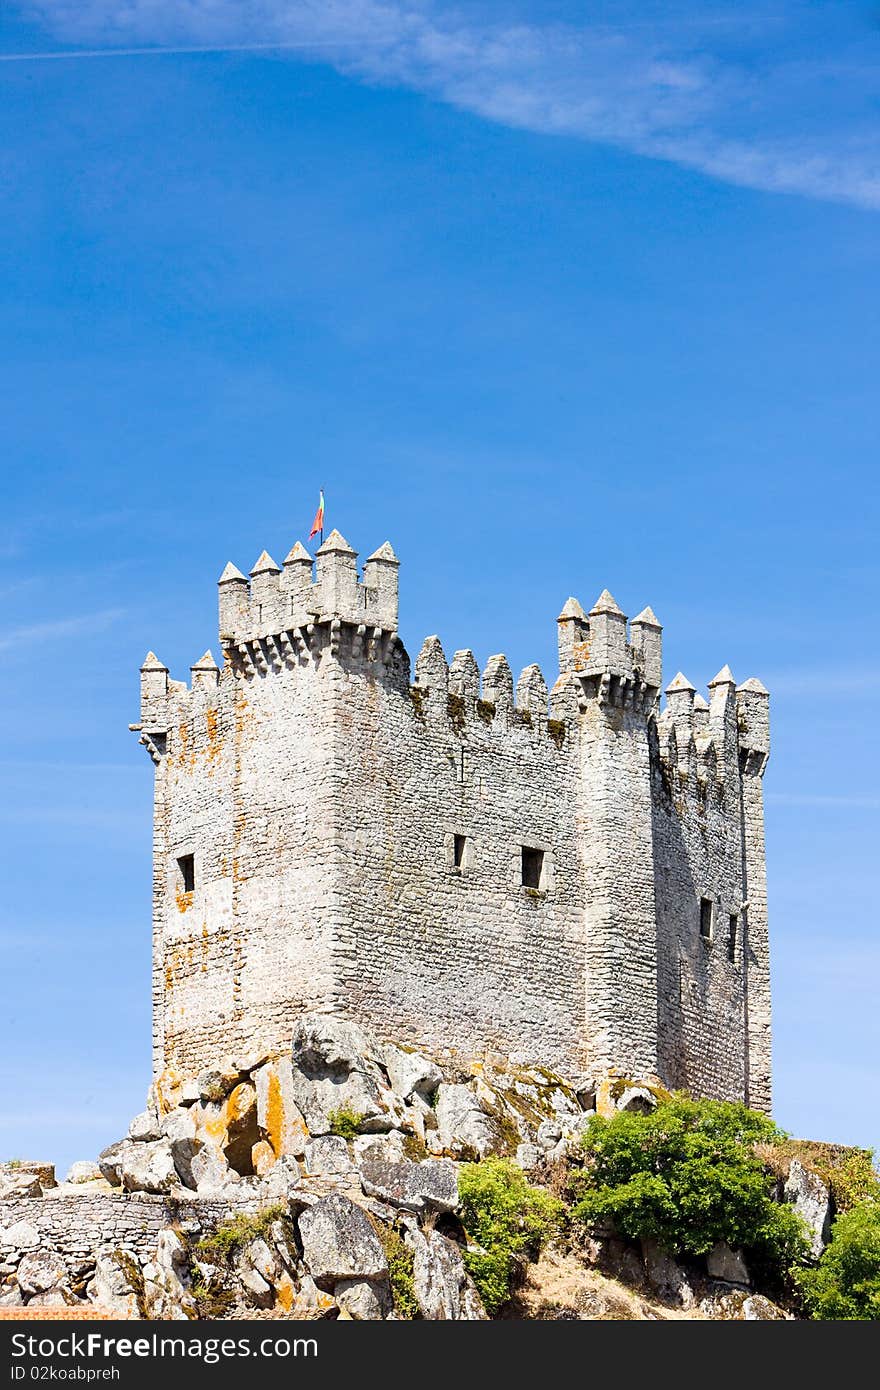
<point>178,1125</point>
<point>166,1290</point>
<point>262,1157</point>
<point>549,1134</point>
<point>462,1121</point>
<point>215,1085</point>
<point>336,1065</point>
<point>433,1183</point>
<point>443,1288</point>
<point>278,1114</point>
<point>11,1298</point>
<point>172,1254</point>
<point>528,1156</point>
<point>83,1171</point>
<point>116,1284</point>
<point>666,1275</point>
<point>189,1092</point>
<point>41,1270</point>
<point>183,1152</point>
<point>13,1184</point>
<point>148,1167</point>
<point>145,1127</point>
<point>20,1236</point>
<point>258,1290</point>
<point>363,1299</point>
<point>327,1156</point>
<point>282,1178</point>
<point>326,1042</point>
<point>637,1099</point>
<point>340,1242</point>
<point>209,1172</point>
<point>812,1202</point>
<point>757,1308</point>
<point>110,1161</point>
<point>242,1128</point>
<point>52,1298</point>
<point>727,1265</point>
<point>382,1148</point>
<point>410,1072</point>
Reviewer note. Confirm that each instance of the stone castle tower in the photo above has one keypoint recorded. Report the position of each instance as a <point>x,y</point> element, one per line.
<point>575,879</point>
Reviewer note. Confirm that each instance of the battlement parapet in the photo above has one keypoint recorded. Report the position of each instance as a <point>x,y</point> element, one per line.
<point>711,739</point>
<point>277,599</point>
<point>598,645</point>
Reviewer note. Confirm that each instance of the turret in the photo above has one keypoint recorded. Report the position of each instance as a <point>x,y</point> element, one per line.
<point>337,578</point>
<point>154,692</point>
<point>574,633</point>
<point>381,574</point>
<point>608,650</point>
<point>234,599</point>
<point>296,581</point>
<point>722,721</point>
<point>205,673</point>
<point>265,595</point>
<point>646,637</point>
<point>753,720</point>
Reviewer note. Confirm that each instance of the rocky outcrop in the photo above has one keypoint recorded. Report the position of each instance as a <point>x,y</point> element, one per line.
<point>325,1184</point>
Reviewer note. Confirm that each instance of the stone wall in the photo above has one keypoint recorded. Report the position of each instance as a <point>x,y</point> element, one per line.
<point>358,840</point>
<point>81,1225</point>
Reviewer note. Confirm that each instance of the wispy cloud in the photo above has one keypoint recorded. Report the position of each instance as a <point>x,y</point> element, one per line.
<point>729,94</point>
<point>60,627</point>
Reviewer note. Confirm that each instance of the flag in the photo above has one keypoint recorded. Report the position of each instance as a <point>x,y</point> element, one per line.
<point>318,523</point>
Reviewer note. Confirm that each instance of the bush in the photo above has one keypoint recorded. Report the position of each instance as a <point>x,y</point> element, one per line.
<point>400,1273</point>
<point>687,1175</point>
<point>845,1285</point>
<point>345,1122</point>
<point>232,1235</point>
<point>507,1219</point>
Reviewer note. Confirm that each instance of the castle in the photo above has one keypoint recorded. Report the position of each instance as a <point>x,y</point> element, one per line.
<point>574,878</point>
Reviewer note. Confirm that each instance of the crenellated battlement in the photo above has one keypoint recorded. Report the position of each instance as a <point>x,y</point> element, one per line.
<point>711,741</point>
<point>616,666</point>
<point>277,600</point>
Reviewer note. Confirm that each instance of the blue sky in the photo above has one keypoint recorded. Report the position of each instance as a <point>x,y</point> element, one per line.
<point>553,304</point>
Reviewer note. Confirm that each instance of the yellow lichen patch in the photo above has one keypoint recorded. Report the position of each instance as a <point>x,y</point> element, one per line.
<point>184,900</point>
<point>285,1292</point>
<point>581,655</point>
<point>262,1157</point>
<point>215,742</point>
<point>612,1086</point>
<point>274,1124</point>
<point>167,1088</point>
<point>211,1126</point>
<point>240,1102</point>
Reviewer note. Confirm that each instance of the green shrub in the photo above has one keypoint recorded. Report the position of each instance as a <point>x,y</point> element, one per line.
<point>345,1122</point>
<point>506,1219</point>
<point>400,1273</point>
<point>228,1239</point>
<point>687,1175</point>
<point>845,1285</point>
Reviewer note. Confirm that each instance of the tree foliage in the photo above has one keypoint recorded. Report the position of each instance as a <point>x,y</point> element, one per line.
<point>687,1175</point>
<point>845,1285</point>
<point>506,1220</point>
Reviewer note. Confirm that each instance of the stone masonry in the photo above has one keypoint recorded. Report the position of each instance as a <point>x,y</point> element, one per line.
<point>571,878</point>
